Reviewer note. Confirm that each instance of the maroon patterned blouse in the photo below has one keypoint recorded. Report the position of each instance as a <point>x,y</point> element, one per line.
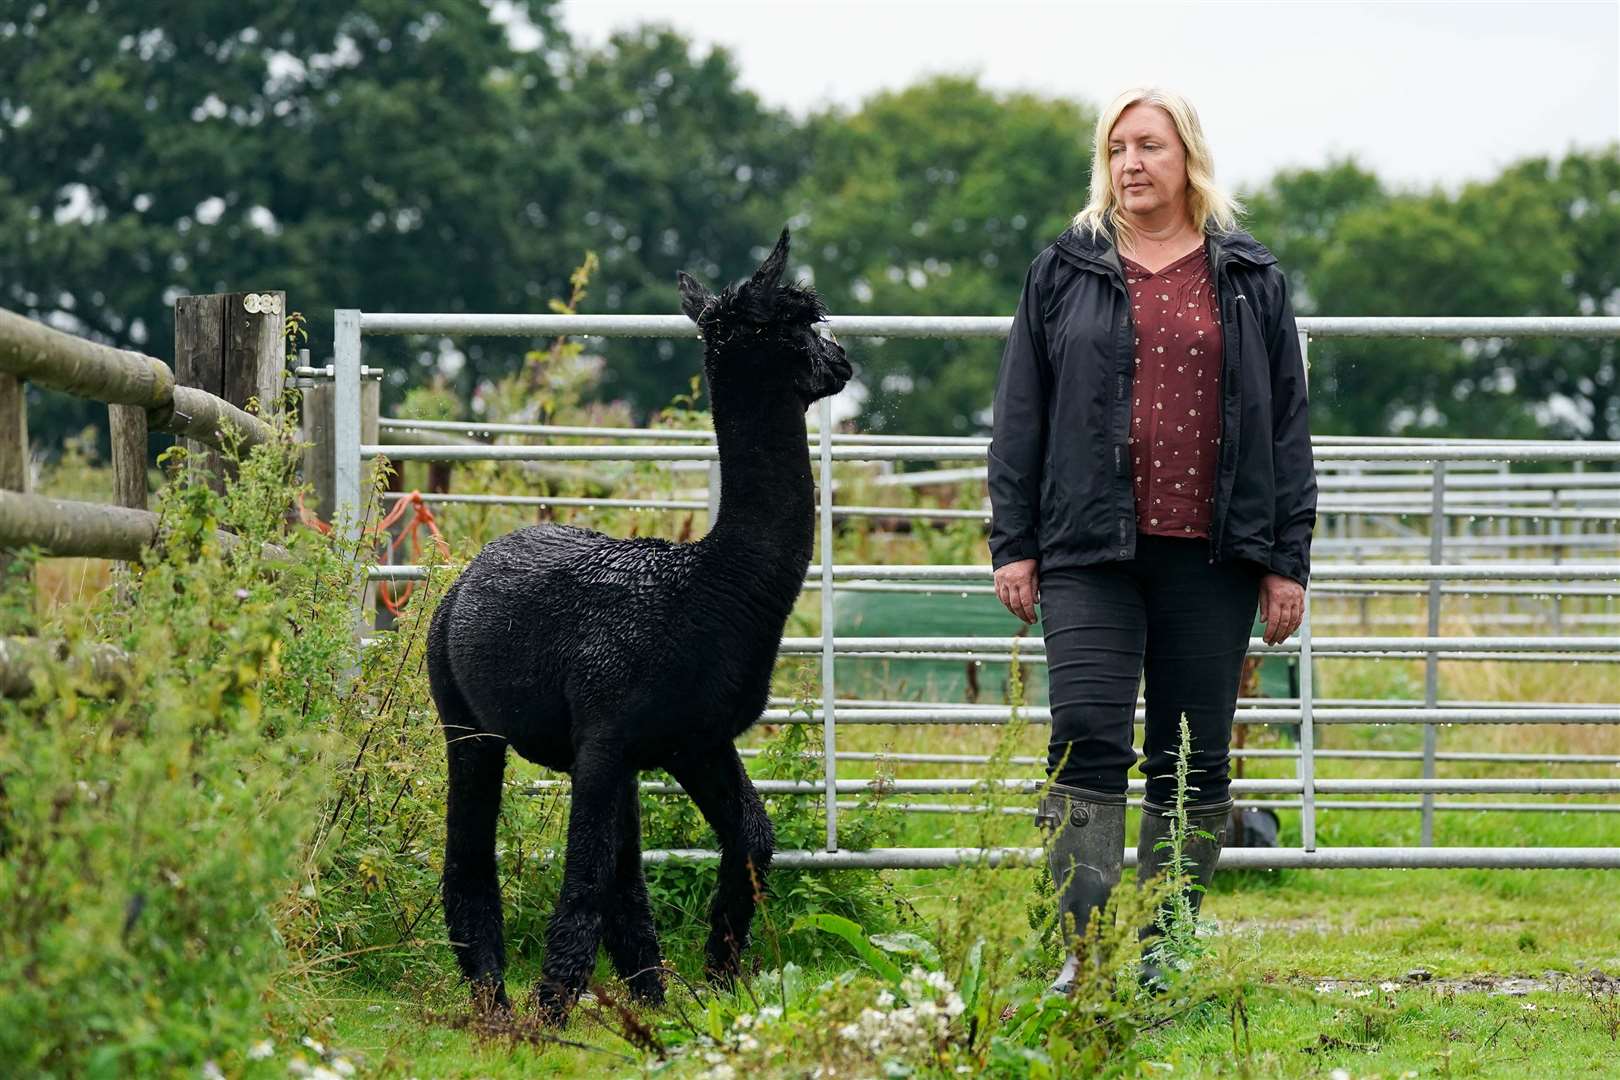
<point>1175,398</point>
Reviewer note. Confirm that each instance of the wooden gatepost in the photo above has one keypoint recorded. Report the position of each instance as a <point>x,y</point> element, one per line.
<point>231,345</point>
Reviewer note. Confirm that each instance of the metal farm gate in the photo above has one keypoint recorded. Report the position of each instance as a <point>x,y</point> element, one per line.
<point>1567,515</point>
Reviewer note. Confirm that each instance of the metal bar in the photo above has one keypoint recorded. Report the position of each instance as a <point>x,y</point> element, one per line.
<point>959,786</point>
<point>829,694</point>
<point>1431,661</point>
<point>552,500</point>
<point>1572,643</point>
<point>1270,804</point>
<point>968,326</point>
<point>1390,571</point>
<point>1307,730</point>
<point>1389,590</point>
<point>1318,653</point>
<point>346,421</point>
<point>1478,571</point>
<point>1247,716</point>
<point>673,434</point>
<point>1246,703</point>
<point>682,504</point>
<point>1580,451</point>
<point>1267,753</point>
<point>1231,858</point>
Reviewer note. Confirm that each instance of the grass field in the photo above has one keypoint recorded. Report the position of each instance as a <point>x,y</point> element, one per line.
<point>1378,973</point>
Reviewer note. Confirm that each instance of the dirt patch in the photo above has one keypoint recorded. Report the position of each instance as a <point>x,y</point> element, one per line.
<point>1548,982</point>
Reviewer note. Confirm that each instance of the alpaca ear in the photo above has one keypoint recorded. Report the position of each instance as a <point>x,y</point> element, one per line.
<point>694,297</point>
<point>770,271</point>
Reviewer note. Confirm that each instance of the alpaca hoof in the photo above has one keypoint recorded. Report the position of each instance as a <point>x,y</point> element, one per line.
<point>552,1003</point>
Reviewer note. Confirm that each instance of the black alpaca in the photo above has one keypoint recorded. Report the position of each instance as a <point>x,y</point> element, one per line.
<point>603,657</point>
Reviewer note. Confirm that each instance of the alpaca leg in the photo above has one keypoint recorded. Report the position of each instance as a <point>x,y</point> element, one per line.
<point>720,787</point>
<point>627,931</point>
<point>575,929</point>
<point>472,892</point>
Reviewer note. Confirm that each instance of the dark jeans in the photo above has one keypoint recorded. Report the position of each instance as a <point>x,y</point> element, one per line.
<point>1182,620</point>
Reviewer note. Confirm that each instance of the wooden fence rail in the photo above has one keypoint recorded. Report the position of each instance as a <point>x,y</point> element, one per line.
<point>96,668</point>
<point>36,353</point>
<point>69,528</point>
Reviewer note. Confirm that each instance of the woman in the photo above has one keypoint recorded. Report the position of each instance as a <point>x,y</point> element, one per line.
<point>1151,480</point>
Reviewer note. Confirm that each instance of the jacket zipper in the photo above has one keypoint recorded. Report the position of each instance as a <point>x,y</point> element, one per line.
<point>1217,517</point>
<point>1122,398</point>
<point>1231,345</point>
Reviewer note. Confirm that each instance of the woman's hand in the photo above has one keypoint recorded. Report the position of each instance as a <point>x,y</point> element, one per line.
<point>1282,606</point>
<point>1018,587</point>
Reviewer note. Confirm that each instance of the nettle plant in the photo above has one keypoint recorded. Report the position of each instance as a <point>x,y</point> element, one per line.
<point>148,835</point>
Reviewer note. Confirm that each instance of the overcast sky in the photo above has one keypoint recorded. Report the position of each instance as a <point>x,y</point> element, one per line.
<point>1421,93</point>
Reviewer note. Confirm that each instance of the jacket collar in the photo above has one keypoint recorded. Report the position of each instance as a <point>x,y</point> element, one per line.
<point>1085,246</point>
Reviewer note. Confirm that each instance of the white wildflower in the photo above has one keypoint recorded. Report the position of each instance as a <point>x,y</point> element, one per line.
<point>1324,988</point>
<point>1339,1074</point>
<point>1361,992</point>
<point>852,1032</point>
<point>314,1045</point>
<point>721,1072</point>
<point>1389,987</point>
<point>298,1066</point>
<point>1528,1006</point>
<point>939,982</point>
<point>747,1044</point>
<point>342,1066</point>
<point>260,1050</point>
<point>212,1071</point>
<point>954,1005</point>
<point>743,1022</point>
<point>885,998</point>
<point>321,1072</point>
<point>714,1058</point>
<point>770,1012</point>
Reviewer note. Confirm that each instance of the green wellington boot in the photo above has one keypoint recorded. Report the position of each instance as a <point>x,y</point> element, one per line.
<point>1086,855</point>
<point>1199,854</point>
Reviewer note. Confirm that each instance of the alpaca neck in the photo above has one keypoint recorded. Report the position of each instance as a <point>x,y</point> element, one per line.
<point>767,497</point>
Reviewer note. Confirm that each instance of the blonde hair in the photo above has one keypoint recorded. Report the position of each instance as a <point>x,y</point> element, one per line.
<point>1207,203</point>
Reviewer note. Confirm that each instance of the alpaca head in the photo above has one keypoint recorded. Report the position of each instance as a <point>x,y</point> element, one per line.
<point>767,330</point>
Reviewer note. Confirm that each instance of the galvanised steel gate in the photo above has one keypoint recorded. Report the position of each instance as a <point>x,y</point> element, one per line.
<point>1359,477</point>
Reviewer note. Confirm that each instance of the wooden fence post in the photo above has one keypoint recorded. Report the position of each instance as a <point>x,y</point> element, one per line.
<point>230,344</point>
<point>127,426</point>
<point>318,432</point>
<point>13,445</point>
<point>13,434</point>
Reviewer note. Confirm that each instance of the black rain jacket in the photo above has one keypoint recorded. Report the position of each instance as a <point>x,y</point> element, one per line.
<point>1060,474</point>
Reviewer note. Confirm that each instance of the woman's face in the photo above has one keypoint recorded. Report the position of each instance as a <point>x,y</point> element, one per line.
<point>1147,162</point>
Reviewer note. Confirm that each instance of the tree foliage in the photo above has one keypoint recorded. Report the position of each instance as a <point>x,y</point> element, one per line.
<point>1537,240</point>
<point>932,200</point>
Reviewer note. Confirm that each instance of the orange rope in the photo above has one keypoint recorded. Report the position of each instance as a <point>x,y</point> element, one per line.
<point>421,517</point>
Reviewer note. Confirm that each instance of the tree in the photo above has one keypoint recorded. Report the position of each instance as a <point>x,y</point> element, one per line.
<point>661,162</point>
<point>1529,242</point>
<point>1297,213</point>
<point>341,152</point>
<point>933,200</point>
